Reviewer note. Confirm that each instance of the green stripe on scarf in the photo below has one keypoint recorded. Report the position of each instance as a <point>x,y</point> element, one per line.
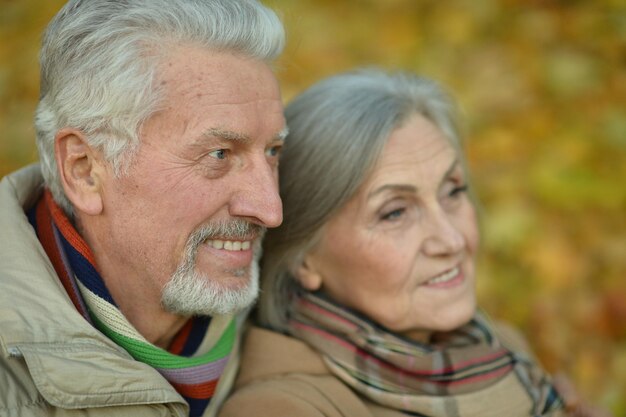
<point>160,358</point>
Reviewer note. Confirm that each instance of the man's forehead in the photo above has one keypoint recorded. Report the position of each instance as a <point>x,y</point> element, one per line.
<point>190,63</point>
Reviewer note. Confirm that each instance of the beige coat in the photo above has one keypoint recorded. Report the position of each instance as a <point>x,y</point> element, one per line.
<point>52,361</point>
<point>281,376</point>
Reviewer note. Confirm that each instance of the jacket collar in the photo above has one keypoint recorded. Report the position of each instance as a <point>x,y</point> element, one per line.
<point>34,307</point>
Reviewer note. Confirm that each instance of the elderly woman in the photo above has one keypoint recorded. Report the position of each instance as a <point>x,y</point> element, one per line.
<point>368,305</point>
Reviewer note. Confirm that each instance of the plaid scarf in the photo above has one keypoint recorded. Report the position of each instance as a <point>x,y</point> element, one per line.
<point>196,358</point>
<point>461,373</point>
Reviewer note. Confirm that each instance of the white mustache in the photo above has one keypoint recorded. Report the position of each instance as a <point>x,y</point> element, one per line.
<point>227,230</point>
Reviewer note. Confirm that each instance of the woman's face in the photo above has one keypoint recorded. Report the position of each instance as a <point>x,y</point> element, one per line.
<point>401,251</point>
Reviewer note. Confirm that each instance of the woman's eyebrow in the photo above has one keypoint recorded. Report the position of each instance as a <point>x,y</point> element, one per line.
<point>394,187</point>
<point>452,167</point>
<point>407,187</point>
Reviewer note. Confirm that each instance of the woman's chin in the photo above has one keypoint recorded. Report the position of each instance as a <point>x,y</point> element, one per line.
<point>456,319</point>
<point>445,322</point>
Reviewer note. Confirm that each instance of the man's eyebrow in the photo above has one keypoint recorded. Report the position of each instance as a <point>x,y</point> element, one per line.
<point>282,134</point>
<point>230,135</point>
<point>223,134</point>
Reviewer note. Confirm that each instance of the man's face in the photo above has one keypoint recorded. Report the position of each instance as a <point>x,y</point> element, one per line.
<point>189,215</point>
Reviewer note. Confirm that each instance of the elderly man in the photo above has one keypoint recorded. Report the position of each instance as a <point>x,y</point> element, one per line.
<point>129,254</point>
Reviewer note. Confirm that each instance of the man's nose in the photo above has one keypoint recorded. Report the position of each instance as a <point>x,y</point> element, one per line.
<point>256,197</point>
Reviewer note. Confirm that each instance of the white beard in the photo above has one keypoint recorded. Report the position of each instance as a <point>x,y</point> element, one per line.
<point>190,293</point>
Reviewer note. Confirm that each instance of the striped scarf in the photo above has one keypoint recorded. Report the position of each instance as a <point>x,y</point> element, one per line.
<point>197,356</point>
<point>466,372</point>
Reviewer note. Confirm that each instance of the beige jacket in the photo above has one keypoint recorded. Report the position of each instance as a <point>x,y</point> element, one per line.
<point>281,376</point>
<point>52,361</point>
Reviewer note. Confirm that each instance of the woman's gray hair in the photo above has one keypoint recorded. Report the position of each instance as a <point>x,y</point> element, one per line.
<point>99,59</point>
<point>337,131</point>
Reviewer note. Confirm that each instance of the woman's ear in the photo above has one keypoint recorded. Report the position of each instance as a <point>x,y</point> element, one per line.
<point>80,171</point>
<point>307,274</point>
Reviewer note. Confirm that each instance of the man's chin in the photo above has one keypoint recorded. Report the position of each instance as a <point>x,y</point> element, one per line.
<point>196,294</point>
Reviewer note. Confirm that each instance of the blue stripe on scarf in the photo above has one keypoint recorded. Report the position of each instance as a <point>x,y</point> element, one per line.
<point>85,272</point>
<point>196,335</point>
<point>197,407</point>
<point>553,401</point>
<point>32,218</point>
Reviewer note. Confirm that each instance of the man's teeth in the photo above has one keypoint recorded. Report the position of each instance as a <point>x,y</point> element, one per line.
<point>447,276</point>
<point>233,245</point>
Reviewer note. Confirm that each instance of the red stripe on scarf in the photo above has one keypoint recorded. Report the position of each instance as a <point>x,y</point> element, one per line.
<point>48,241</point>
<point>180,339</point>
<point>477,378</point>
<point>197,391</point>
<point>459,366</point>
<point>382,364</point>
<point>67,229</point>
<point>327,313</point>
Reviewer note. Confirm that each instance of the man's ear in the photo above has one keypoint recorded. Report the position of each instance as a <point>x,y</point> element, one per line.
<point>81,171</point>
<point>308,275</point>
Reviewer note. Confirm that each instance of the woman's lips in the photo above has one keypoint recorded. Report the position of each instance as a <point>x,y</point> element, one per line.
<point>450,278</point>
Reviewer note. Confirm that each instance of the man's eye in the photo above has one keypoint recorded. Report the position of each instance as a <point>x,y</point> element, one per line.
<point>274,150</point>
<point>218,154</point>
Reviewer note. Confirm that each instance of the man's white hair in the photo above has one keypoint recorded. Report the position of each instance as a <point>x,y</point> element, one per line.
<point>99,59</point>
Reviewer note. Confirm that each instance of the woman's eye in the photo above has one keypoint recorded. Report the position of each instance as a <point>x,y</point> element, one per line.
<point>457,191</point>
<point>218,154</point>
<point>394,214</point>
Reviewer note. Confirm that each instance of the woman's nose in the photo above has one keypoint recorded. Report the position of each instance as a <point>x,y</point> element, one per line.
<point>443,236</point>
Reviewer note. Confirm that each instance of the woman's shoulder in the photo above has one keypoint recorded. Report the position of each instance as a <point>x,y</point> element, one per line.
<point>282,376</point>
<point>266,354</point>
<point>294,395</point>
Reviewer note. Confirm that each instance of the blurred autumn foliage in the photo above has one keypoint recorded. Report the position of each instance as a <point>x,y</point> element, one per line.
<point>542,88</point>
